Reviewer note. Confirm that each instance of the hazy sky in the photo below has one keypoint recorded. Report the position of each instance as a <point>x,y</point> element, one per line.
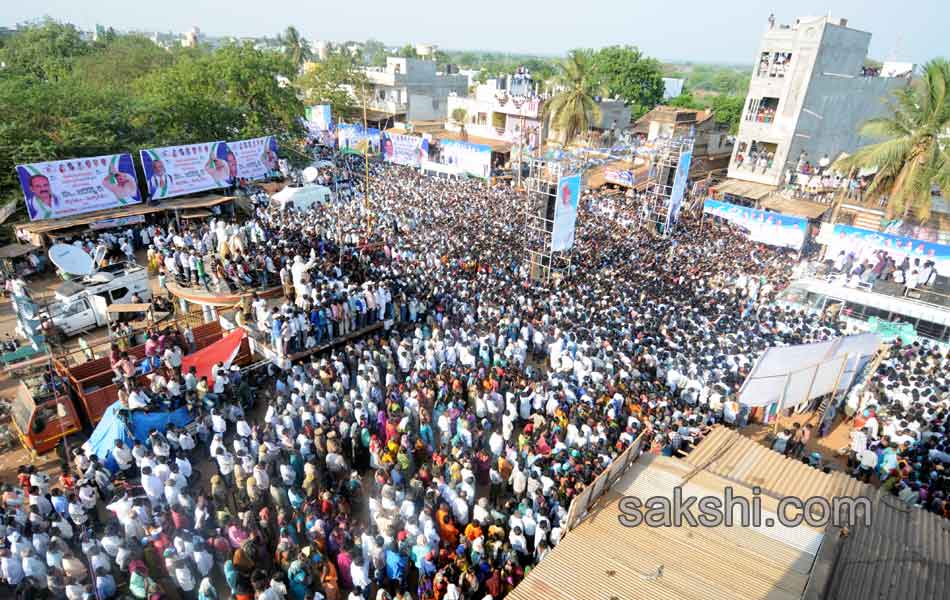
<point>701,30</point>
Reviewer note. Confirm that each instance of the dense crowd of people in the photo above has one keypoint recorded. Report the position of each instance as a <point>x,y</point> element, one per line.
<point>433,457</point>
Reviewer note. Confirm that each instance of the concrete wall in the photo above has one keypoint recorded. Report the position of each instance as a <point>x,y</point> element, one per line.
<point>834,110</point>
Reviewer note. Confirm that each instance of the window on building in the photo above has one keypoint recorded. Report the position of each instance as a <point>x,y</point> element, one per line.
<point>481,119</point>
<point>773,64</point>
<point>763,65</point>
<point>780,64</point>
<point>761,110</point>
<point>755,156</point>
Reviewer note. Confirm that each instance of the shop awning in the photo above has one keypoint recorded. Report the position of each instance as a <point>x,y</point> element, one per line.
<point>744,189</point>
<point>15,250</point>
<point>49,225</point>
<point>196,213</point>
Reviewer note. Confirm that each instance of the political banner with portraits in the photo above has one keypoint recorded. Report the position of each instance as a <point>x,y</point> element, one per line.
<point>355,139</point>
<point>178,170</point>
<point>461,158</point>
<point>64,188</point>
<point>847,238</point>
<point>403,149</point>
<point>256,157</point>
<point>765,227</point>
<point>678,191</point>
<point>319,116</point>
<point>565,213</point>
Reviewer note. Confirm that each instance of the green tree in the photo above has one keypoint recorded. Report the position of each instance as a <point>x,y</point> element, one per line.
<point>121,62</point>
<point>334,81</point>
<point>728,111</point>
<point>686,100</point>
<point>374,53</point>
<point>625,73</point>
<point>913,157</point>
<point>573,109</point>
<point>59,102</point>
<point>296,48</point>
<point>407,51</point>
<point>45,51</point>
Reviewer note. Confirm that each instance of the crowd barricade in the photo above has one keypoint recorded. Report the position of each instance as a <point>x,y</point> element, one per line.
<point>582,503</point>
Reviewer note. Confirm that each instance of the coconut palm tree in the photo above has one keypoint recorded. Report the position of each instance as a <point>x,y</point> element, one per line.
<point>573,109</point>
<point>295,46</point>
<point>459,115</point>
<point>915,156</point>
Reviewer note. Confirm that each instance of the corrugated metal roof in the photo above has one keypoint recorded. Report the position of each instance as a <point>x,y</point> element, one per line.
<point>741,460</point>
<point>603,560</point>
<point>903,555</point>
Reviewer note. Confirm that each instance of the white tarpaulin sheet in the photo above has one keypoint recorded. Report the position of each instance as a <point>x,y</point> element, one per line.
<point>791,375</point>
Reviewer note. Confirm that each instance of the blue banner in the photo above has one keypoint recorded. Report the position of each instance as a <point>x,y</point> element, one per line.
<point>565,213</point>
<point>461,157</point>
<point>761,226</point>
<point>256,157</point>
<point>679,188</point>
<point>854,239</point>
<point>357,140</point>
<point>319,117</point>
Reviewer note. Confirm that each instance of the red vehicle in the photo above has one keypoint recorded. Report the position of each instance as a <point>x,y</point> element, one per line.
<point>83,393</point>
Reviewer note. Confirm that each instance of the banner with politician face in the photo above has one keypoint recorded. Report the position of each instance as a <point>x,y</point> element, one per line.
<point>565,213</point>
<point>256,157</point>
<point>403,149</point>
<point>64,188</point>
<point>178,170</point>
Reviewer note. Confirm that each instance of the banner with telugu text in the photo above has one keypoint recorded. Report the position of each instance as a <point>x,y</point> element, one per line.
<point>64,188</point>
<point>403,149</point>
<point>178,170</point>
<point>761,226</point>
<point>256,157</point>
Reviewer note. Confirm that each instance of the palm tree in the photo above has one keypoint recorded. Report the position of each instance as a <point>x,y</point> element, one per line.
<point>914,157</point>
<point>459,115</point>
<point>573,109</point>
<point>295,46</point>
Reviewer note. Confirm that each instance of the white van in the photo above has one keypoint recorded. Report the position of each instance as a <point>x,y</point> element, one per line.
<point>82,303</point>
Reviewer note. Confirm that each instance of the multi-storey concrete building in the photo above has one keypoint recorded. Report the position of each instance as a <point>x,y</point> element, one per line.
<point>809,95</point>
<point>408,89</point>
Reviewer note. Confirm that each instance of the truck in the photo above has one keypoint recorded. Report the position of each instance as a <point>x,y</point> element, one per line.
<point>81,304</point>
<point>62,398</point>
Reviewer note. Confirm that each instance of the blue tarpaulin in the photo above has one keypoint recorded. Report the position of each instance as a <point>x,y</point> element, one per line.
<point>112,427</point>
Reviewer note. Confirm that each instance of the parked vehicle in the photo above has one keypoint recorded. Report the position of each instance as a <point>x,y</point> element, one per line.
<point>82,304</point>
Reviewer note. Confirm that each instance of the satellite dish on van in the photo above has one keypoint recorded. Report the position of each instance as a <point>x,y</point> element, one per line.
<point>71,259</point>
<point>97,256</point>
<point>310,174</point>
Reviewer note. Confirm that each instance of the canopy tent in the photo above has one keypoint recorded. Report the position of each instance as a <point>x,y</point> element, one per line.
<point>791,375</point>
<point>116,424</point>
<point>302,198</point>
